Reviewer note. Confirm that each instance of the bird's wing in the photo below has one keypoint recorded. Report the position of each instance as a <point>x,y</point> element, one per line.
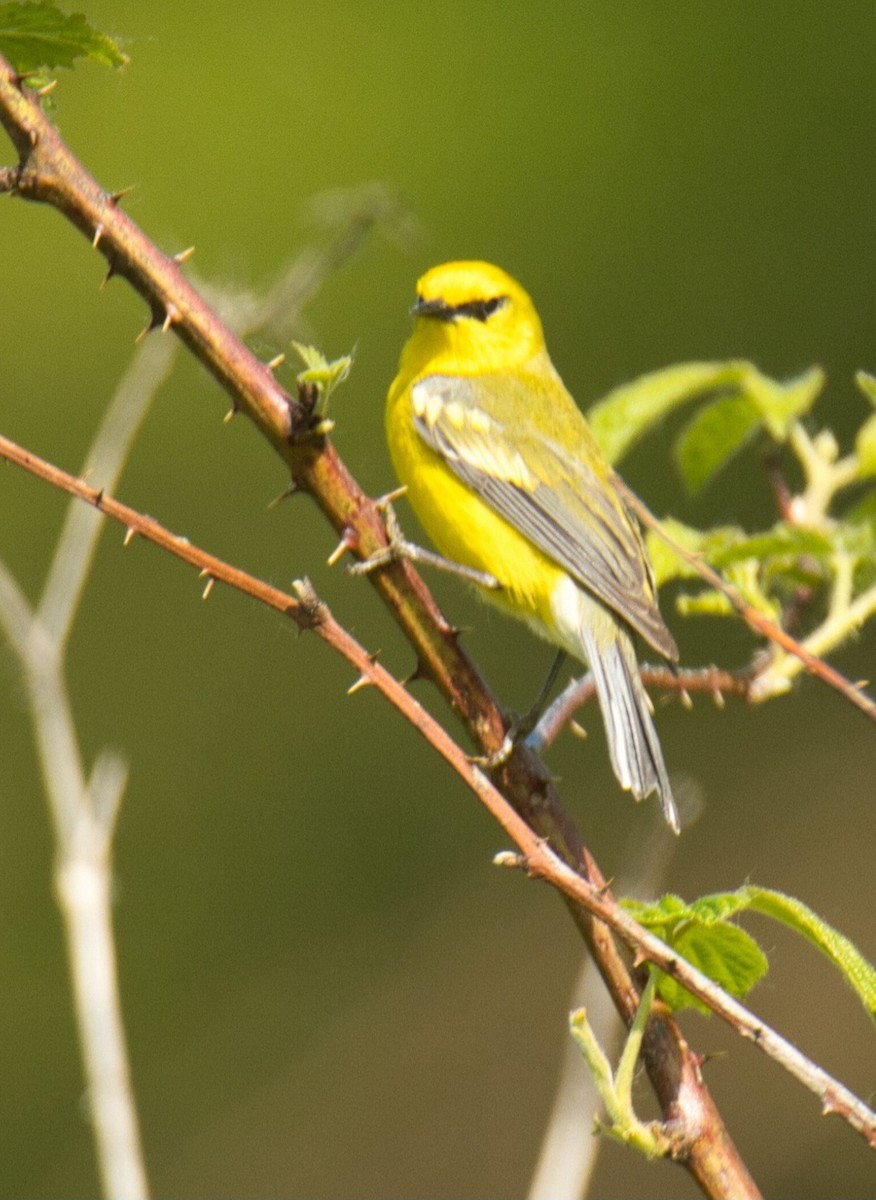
<point>563,504</point>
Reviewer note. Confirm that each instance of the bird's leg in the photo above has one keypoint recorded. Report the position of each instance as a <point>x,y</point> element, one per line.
<point>397,546</point>
<point>531,719</point>
<point>522,726</point>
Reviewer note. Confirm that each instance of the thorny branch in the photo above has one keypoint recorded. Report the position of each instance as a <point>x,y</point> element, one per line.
<point>48,172</point>
<point>535,857</point>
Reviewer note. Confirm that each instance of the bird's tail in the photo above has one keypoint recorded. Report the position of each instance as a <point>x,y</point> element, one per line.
<point>632,739</point>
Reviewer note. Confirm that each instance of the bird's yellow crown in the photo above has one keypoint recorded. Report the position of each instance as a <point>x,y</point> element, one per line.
<point>471,317</point>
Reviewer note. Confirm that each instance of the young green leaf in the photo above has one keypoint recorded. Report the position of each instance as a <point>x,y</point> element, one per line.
<point>863,516</point>
<point>784,542</point>
<point>855,969</point>
<point>700,933</point>
<point>40,35</point>
<point>865,448</point>
<point>867,385</point>
<point>708,603</point>
<point>324,375</point>
<point>628,412</point>
<point>665,562</point>
<point>780,404</point>
<point>715,434</point>
<point>631,410</point>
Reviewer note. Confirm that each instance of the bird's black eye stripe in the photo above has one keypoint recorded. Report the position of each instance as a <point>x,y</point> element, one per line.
<point>480,310</point>
<point>476,310</point>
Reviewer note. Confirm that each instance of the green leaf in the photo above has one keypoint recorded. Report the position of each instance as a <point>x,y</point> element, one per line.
<point>779,405</point>
<point>865,448</point>
<point>717,431</point>
<point>782,542</point>
<point>631,410</point>
<point>700,933</point>
<point>745,577</point>
<point>665,562</point>
<point>727,954</point>
<point>863,514</point>
<point>40,35</point>
<point>708,603</point>
<point>714,546</point>
<point>867,384</point>
<point>319,371</point>
<point>855,969</point>
<point>324,377</point>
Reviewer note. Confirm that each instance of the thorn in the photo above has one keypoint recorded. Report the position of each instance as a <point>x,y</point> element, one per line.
<point>110,271</point>
<point>184,255</point>
<point>49,87</point>
<point>154,322</point>
<point>861,684</point>
<point>276,362</point>
<point>349,541</point>
<point>129,535</point>
<point>231,412</point>
<point>98,234</point>
<point>419,672</point>
<point>362,682</point>
<point>113,198</point>
<point>208,587</point>
<point>718,698</point>
<point>578,730</point>
<point>384,501</point>
<point>171,318</point>
<point>685,698</point>
<point>284,495</point>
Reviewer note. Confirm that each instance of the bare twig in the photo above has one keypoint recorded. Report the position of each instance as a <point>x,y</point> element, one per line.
<point>73,558</point>
<point>84,811</point>
<point>714,681</point>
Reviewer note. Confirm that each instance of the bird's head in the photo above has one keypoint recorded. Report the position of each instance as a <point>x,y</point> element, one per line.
<point>472,317</point>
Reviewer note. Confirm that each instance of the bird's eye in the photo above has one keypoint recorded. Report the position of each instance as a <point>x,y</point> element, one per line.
<point>481,310</point>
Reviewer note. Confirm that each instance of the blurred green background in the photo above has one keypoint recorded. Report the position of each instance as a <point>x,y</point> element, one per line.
<point>328,989</point>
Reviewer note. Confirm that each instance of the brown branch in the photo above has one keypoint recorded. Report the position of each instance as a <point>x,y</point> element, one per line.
<point>536,857</point>
<point>48,172</point>
<point>756,620</point>
<point>715,681</point>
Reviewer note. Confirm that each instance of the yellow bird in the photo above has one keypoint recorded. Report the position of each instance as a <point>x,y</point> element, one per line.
<point>506,478</point>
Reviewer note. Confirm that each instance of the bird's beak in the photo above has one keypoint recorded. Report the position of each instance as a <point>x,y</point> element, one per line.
<point>437,309</point>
